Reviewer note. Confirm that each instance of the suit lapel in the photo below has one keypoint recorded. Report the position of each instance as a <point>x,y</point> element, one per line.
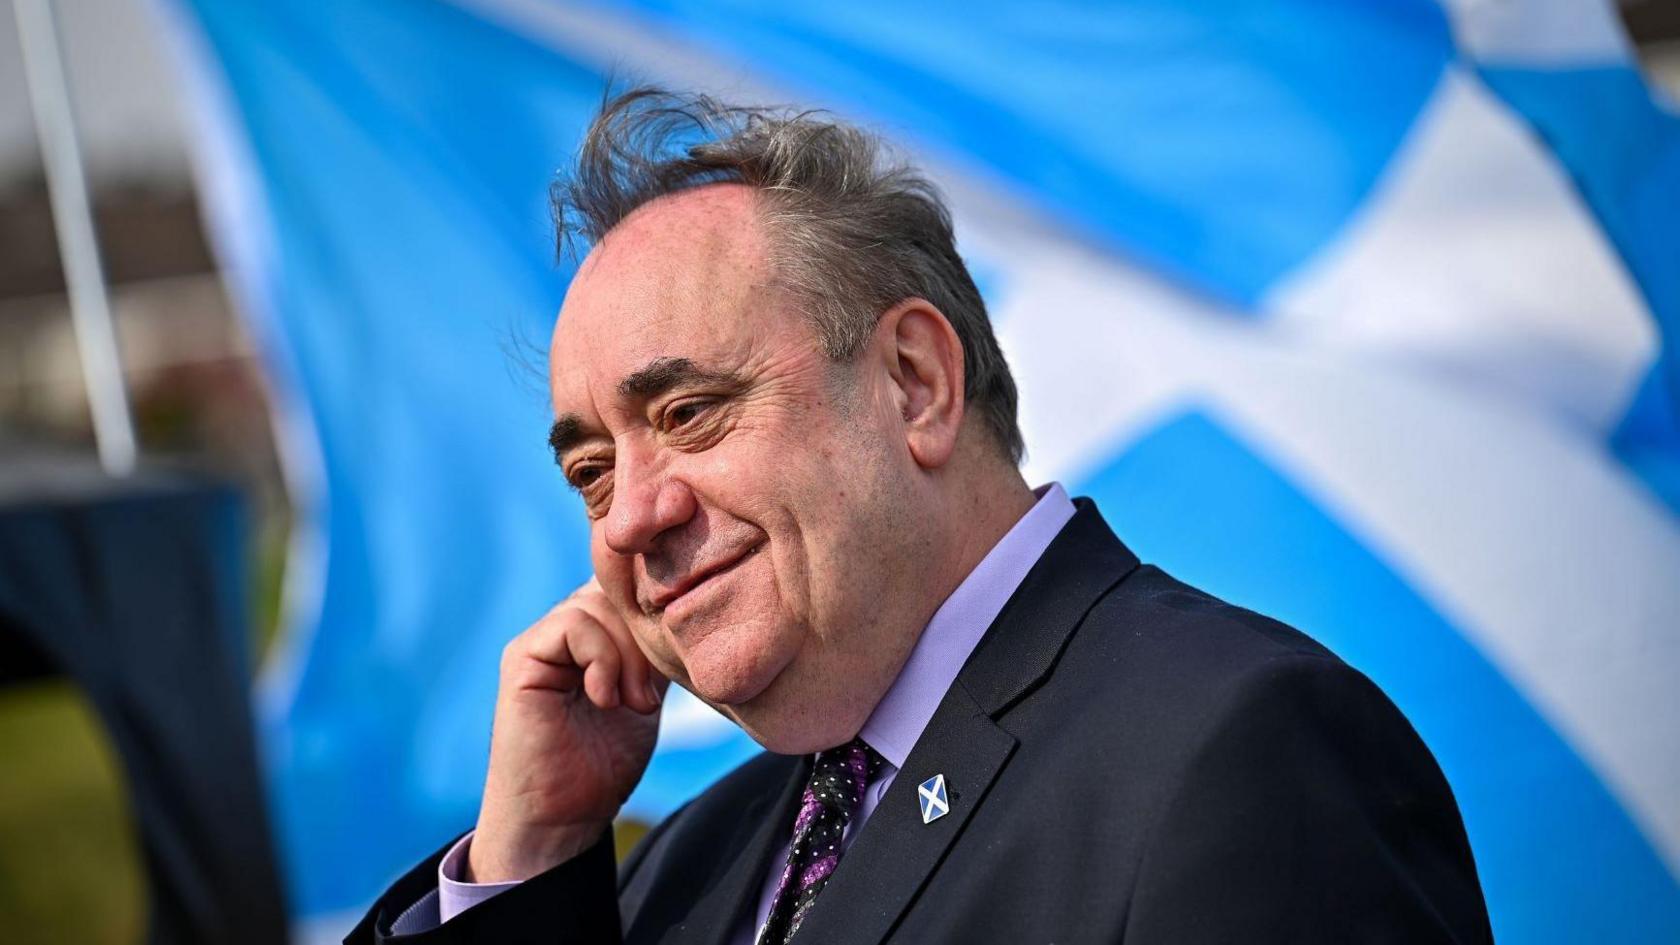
<point>1028,636</point>
<point>731,901</point>
<point>894,854</point>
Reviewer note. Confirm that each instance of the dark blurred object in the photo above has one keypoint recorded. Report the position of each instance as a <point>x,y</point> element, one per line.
<point>1651,21</point>
<point>135,589</point>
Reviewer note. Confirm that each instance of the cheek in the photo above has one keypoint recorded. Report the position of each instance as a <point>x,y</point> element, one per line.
<point>855,533</point>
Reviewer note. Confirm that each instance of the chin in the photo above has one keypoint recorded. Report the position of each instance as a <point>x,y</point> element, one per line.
<point>734,667</point>
<point>784,736</point>
<point>786,720</point>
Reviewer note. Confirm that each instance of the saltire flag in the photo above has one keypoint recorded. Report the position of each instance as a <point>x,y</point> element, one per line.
<point>1360,313</point>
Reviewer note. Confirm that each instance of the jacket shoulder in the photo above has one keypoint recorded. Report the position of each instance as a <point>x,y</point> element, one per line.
<point>1273,759</point>
<point>1157,664</point>
<point>1153,600</point>
<point>1153,623</point>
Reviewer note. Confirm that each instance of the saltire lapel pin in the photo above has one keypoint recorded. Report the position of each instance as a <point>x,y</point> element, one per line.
<point>935,802</point>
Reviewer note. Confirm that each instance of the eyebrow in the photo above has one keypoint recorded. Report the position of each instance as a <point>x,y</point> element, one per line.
<point>663,374</point>
<point>566,433</point>
<point>655,378</point>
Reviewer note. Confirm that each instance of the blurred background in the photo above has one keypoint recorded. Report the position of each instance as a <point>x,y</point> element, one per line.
<point>1359,314</point>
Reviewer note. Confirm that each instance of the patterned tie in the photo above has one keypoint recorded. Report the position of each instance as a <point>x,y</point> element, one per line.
<point>831,798</point>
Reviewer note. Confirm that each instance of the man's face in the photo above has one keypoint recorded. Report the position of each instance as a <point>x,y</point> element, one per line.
<point>752,502</point>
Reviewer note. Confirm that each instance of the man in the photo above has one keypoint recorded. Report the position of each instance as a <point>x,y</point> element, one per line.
<point>777,391</point>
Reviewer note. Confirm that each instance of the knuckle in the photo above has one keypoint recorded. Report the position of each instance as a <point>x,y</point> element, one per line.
<point>561,621</point>
<point>607,656</point>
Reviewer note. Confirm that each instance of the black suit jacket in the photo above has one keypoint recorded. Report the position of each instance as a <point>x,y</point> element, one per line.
<point>1128,760</point>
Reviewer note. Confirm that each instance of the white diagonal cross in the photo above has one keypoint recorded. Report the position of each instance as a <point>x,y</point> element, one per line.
<point>934,804</point>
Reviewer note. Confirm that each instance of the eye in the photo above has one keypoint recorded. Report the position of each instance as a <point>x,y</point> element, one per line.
<point>682,414</point>
<point>593,483</point>
<point>588,477</point>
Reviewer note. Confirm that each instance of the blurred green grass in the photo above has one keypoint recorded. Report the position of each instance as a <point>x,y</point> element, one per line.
<point>70,868</point>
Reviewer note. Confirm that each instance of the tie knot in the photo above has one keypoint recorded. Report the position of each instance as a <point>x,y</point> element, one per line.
<point>840,775</point>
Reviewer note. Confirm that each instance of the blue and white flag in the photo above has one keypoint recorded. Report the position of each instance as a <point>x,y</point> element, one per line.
<point>1361,314</point>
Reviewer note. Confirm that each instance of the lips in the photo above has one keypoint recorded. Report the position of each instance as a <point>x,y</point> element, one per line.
<point>667,596</point>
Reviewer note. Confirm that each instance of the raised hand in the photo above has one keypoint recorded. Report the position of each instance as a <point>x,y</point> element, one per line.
<point>576,719</point>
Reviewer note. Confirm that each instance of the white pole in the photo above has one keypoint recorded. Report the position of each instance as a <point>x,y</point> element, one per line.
<point>90,308</point>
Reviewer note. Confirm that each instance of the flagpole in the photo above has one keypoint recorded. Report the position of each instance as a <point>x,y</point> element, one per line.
<point>90,307</point>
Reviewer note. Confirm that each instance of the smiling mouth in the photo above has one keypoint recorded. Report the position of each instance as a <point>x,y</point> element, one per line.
<point>659,602</point>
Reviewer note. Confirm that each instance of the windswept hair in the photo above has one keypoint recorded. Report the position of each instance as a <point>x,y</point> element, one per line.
<point>852,229</point>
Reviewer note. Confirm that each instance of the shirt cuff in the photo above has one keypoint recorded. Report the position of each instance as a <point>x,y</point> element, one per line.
<point>456,896</point>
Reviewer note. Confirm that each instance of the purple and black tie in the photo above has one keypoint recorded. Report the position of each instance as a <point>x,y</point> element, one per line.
<point>832,796</point>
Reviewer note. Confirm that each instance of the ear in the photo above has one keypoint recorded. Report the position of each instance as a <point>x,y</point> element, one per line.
<point>924,359</point>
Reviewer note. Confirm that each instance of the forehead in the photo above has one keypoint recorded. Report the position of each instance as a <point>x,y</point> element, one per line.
<point>685,276</point>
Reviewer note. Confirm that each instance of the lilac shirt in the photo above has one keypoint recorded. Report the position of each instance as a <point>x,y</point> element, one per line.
<point>892,729</point>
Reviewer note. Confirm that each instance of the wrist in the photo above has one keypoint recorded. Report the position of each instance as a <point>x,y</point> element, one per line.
<point>496,856</point>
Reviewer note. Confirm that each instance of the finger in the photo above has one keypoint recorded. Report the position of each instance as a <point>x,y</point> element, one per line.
<point>594,649</point>
<point>538,659</point>
<point>537,674</point>
<point>636,673</point>
<point>600,683</point>
<point>570,638</point>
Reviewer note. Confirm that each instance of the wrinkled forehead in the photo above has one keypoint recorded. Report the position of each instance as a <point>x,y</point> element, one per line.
<point>685,276</point>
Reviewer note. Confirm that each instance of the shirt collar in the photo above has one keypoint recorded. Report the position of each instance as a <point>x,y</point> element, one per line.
<point>956,628</point>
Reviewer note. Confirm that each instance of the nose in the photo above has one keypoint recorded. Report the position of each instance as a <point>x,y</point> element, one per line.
<point>646,503</point>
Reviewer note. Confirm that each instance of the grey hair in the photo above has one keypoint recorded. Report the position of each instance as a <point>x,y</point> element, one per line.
<point>853,230</point>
